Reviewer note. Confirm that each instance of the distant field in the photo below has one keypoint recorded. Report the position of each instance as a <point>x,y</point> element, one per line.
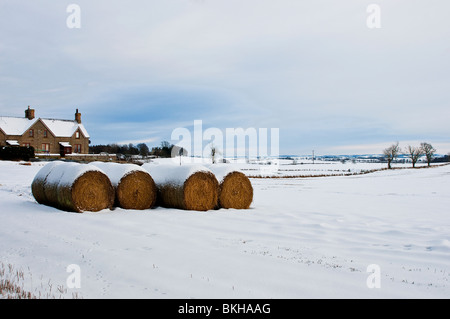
<point>302,168</point>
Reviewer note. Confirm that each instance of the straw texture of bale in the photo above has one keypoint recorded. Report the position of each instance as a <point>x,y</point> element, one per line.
<point>188,187</point>
<point>235,188</point>
<point>73,187</point>
<point>134,187</point>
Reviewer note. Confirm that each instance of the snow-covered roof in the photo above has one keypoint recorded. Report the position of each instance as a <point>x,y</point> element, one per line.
<point>65,144</point>
<point>59,128</point>
<point>64,128</point>
<point>15,125</point>
<point>12,142</point>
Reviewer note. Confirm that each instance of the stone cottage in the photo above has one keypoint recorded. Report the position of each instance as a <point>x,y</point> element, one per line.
<point>51,136</point>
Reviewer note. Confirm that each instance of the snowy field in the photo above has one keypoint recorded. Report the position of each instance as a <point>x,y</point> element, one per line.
<point>298,167</point>
<point>302,238</point>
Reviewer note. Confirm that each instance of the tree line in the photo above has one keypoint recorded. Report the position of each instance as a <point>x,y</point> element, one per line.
<point>164,150</point>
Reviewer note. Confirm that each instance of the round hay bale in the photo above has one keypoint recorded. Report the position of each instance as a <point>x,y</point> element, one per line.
<point>188,187</point>
<point>37,186</point>
<point>73,187</point>
<point>235,188</point>
<point>134,187</point>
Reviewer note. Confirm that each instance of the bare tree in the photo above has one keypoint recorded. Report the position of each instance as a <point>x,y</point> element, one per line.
<point>414,154</point>
<point>428,150</point>
<point>214,152</point>
<point>391,153</point>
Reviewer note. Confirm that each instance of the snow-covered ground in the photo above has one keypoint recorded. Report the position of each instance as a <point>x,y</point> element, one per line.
<point>297,167</point>
<point>302,238</point>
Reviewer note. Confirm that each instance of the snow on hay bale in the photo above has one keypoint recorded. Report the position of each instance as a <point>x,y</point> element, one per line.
<point>189,187</point>
<point>73,187</point>
<point>134,187</point>
<point>235,188</point>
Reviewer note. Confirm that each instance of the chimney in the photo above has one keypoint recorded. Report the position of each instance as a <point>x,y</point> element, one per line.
<point>78,117</point>
<point>29,113</point>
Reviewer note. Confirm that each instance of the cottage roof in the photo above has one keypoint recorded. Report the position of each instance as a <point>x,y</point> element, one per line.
<point>59,128</point>
<point>15,125</point>
<point>64,128</point>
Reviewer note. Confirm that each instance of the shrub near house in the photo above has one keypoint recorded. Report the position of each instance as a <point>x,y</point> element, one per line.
<point>16,153</point>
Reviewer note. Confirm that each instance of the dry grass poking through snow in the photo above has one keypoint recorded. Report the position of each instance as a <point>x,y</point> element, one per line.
<point>13,282</point>
<point>10,283</point>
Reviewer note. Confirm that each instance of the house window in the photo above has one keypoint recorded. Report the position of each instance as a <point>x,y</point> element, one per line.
<point>77,134</point>
<point>26,144</point>
<point>77,148</point>
<point>31,133</point>
<point>46,147</point>
<point>45,133</point>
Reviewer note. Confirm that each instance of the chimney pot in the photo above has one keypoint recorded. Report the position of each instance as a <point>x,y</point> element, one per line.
<point>78,117</point>
<point>29,113</point>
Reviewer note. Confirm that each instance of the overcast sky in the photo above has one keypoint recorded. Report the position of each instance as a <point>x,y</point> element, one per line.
<point>138,69</point>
